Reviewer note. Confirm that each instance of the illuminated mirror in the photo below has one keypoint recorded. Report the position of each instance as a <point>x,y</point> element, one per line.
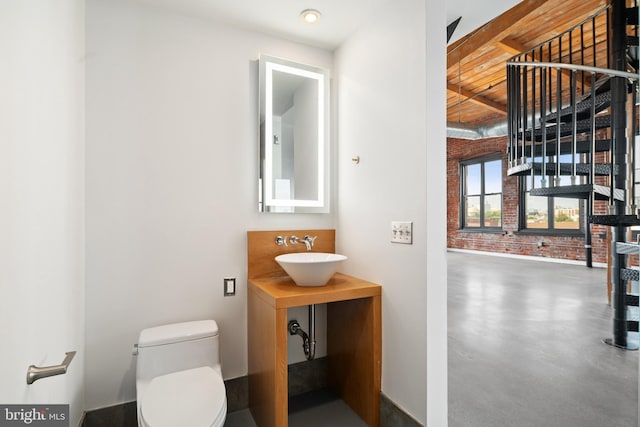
<point>294,143</point>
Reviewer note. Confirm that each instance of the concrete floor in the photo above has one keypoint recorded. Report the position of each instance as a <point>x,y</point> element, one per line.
<point>525,347</point>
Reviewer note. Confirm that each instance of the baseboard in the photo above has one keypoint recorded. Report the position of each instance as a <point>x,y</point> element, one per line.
<point>526,257</point>
<point>121,415</point>
<point>391,415</point>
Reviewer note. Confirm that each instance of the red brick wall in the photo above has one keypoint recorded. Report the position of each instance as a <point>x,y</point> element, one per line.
<point>508,241</point>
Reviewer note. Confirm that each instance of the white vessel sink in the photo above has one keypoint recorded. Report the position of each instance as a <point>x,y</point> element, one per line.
<point>310,268</point>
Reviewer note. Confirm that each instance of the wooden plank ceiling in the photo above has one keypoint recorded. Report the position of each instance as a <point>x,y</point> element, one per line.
<point>476,64</point>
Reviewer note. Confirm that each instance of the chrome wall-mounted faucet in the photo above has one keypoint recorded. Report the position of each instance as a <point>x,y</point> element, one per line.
<point>307,240</point>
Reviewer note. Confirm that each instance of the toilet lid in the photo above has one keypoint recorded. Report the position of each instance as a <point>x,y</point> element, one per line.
<point>193,398</point>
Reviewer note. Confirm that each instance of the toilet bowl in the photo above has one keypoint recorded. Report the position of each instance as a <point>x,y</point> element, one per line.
<point>179,377</point>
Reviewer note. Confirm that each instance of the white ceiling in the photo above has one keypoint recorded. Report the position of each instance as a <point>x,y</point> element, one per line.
<point>340,18</point>
<point>475,13</point>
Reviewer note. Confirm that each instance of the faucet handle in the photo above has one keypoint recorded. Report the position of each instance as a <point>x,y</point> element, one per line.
<point>281,241</point>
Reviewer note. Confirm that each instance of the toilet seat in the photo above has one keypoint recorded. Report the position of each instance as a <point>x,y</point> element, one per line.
<point>191,398</point>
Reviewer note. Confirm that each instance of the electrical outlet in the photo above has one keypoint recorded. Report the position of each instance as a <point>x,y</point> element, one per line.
<point>229,286</point>
<point>402,232</point>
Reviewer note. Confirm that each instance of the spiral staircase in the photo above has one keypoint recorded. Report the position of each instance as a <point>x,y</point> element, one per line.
<point>573,133</point>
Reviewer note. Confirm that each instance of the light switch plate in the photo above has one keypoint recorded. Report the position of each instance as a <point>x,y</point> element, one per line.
<point>402,232</point>
<point>229,286</point>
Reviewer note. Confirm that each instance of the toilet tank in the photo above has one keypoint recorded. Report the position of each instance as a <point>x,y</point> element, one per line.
<point>177,347</point>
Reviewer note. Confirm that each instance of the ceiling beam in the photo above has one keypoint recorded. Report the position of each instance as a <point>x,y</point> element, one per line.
<point>478,99</point>
<point>510,46</point>
<point>497,29</point>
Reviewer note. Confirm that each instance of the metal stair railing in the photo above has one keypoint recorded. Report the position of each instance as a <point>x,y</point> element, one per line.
<point>576,67</point>
<point>552,84</point>
<point>531,102</point>
<point>522,124</point>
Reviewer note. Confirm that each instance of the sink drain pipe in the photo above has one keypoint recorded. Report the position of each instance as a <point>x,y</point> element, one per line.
<point>308,342</point>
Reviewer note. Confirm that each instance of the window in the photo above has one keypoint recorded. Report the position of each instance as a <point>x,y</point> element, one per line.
<point>551,213</point>
<point>481,201</point>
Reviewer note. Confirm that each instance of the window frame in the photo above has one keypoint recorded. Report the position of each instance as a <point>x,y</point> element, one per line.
<point>549,231</point>
<point>463,196</point>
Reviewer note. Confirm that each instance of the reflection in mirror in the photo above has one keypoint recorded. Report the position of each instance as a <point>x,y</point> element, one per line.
<point>293,137</point>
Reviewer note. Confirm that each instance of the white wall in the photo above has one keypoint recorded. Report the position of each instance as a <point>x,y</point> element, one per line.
<point>436,227</point>
<point>388,117</point>
<point>42,199</point>
<point>172,172</point>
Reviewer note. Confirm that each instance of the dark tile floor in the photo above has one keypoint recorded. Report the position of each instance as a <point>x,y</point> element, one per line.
<point>525,347</point>
<point>319,408</point>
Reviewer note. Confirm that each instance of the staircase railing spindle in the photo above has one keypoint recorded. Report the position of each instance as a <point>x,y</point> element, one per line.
<point>574,120</point>
<point>525,115</point>
<point>631,161</point>
<point>592,130</point>
<point>558,122</point>
<point>543,125</point>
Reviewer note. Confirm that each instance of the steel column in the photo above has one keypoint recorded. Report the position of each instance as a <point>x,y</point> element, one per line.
<point>619,145</point>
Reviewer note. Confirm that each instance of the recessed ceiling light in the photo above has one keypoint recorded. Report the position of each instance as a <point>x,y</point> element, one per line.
<point>310,16</point>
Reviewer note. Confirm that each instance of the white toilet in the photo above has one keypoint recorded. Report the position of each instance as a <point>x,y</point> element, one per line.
<point>179,377</point>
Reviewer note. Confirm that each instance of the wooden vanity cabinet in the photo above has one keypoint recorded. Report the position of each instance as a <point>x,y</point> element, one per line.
<point>353,344</point>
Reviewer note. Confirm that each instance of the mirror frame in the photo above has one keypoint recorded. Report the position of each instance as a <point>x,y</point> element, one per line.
<point>267,201</point>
